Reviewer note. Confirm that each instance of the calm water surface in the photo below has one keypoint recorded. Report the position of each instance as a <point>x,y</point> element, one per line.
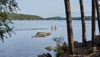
<point>22,44</point>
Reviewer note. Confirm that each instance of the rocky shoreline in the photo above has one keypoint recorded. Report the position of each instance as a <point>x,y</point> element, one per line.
<point>81,51</point>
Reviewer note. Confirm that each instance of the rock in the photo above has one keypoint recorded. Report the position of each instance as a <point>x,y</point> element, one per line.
<point>49,48</point>
<point>77,44</point>
<point>98,40</point>
<point>42,34</point>
<point>45,55</point>
<point>89,43</point>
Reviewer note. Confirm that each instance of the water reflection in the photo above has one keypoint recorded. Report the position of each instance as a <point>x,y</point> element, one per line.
<point>32,29</point>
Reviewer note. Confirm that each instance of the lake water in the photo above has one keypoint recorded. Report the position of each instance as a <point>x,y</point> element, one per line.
<point>22,44</point>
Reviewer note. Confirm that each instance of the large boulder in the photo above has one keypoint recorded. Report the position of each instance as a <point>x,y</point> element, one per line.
<point>42,34</point>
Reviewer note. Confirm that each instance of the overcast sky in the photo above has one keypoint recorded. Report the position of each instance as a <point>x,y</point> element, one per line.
<point>51,8</point>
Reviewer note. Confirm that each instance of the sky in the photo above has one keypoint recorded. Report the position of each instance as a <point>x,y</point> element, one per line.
<point>52,8</point>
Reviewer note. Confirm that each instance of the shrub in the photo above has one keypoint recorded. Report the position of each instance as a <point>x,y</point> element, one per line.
<point>61,46</point>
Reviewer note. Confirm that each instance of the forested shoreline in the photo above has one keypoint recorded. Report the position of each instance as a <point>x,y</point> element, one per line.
<point>16,16</point>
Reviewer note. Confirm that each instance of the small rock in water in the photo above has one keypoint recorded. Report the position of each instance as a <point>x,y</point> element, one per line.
<point>49,48</point>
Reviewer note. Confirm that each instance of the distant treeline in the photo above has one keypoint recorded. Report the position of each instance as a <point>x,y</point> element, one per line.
<point>55,18</point>
<point>16,16</point>
<point>73,18</point>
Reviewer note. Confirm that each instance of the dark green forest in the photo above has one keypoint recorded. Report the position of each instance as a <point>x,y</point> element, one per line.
<point>15,16</point>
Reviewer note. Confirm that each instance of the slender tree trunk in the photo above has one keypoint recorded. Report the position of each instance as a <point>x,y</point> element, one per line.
<point>69,26</point>
<point>83,23</point>
<point>93,24</point>
<point>98,14</point>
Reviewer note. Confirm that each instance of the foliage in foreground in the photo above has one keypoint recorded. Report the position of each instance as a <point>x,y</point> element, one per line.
<point>6,8</point>
<point>61,46</point>
<point>59,49</point>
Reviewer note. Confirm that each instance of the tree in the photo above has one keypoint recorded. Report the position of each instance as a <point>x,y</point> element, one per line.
<point>6,7</point>
<point>98,13</point>
<point>83,23</point>
<point>69,26</point>
<point>93,27</point>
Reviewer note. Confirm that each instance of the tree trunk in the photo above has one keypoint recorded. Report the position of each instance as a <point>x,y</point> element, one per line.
<point>93,24</point>
<point>83,23</point>
<point>98,14</point>
<point>69,26</point>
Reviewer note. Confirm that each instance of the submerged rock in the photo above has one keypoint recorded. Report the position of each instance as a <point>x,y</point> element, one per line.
<point>42,34</point>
